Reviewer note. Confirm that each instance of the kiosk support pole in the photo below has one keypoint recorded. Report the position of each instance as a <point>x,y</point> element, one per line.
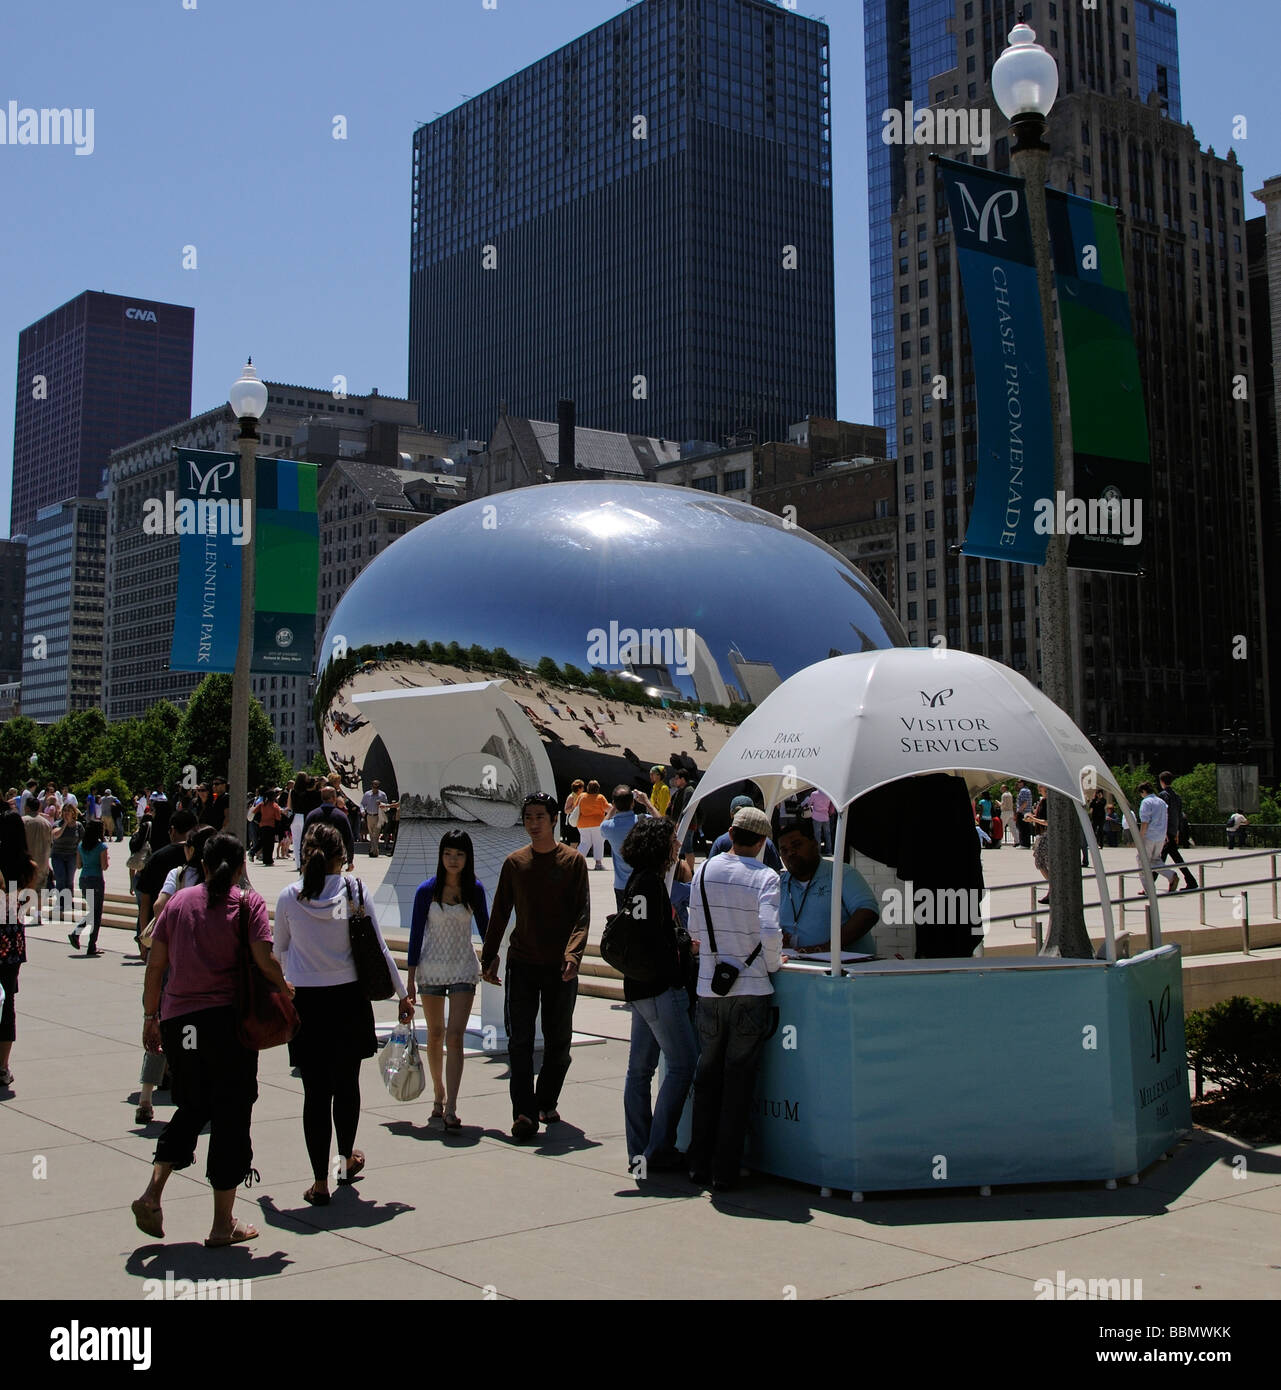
<point>1096,858</point>
<point>838,872</point>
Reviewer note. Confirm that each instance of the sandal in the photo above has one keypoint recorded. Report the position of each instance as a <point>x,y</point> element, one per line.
<point>240,1233</point>
<point>149,1220</point>
<point>452,1121</point>
<point>437,1111</point>
<point>355,1166</point>
<point>316,1196</point>
<point>143,1115</point>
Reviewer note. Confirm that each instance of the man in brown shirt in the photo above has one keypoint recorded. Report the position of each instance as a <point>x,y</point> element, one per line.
<point>547,886</point>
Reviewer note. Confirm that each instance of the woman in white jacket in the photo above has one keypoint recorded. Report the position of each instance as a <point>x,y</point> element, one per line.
<point>313,944</point>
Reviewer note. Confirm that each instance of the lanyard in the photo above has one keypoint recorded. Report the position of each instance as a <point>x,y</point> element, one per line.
<point>796,911</point>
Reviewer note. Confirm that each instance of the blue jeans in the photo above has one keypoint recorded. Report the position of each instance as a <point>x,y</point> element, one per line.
<point>661,1024</point>
<point>823,834</point>
<point>64,871</point>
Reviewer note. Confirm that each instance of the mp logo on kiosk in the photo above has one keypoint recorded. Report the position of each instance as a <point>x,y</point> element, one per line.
<point>1157,1017</point>
<point>935,700</point>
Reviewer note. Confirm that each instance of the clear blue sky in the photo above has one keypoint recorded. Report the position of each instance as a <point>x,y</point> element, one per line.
<point>213,128</point>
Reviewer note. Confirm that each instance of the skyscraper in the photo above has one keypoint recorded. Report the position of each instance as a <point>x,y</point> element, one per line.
<point>95,373</point>
<point>911,55</point>
<point>641,222</point>
<point>1161,662</point>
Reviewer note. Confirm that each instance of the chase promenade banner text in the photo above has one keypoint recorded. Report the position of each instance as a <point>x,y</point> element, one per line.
<point>207,617</point>
<point>998,274</point>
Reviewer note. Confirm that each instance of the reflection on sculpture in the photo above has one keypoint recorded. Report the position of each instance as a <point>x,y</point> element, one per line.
<point>574,630</point>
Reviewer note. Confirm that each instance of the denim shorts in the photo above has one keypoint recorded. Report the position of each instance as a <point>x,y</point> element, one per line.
<point>440,991</point>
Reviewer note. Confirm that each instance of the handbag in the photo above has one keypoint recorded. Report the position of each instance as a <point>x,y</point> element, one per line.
<point>401,1066</point>
<point>725,972</point>
<point>372,973</point>
<point>571,817</point>
<point>632,946</point>
<point>265,1016</point>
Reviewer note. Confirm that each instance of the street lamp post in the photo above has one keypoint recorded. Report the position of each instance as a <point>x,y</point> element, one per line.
<point>248,399</point>
<point>1025,82</point>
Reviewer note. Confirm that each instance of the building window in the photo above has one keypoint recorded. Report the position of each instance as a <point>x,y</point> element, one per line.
<point>705,484</point>
<point>736,481</point>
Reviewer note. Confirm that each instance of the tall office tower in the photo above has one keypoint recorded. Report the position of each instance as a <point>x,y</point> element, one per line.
<point>641,222</point>
<point>63,612</point>
<point>1162,662</point>
<point>99,371</point>
<point>911,55</point>
<point>13,589</point>
<point>1263,247</point>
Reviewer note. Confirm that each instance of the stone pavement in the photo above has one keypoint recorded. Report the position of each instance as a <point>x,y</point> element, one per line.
<point>470,1215</point>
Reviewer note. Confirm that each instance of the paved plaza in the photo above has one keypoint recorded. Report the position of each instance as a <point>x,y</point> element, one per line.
<point>470,1215</point>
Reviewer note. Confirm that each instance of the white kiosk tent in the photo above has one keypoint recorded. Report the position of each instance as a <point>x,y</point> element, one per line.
<point>853,723</point>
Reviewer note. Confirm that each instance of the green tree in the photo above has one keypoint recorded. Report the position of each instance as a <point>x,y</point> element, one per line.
<point>574,675</point>
<point>99,779</point>
<point>203,737</point>
<point>1200,793</point>
<point>19,739</point>
<point>548,669</point>
<point>69,746</point>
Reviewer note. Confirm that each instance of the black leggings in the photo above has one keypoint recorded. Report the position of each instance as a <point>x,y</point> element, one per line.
<point>331,1102</point>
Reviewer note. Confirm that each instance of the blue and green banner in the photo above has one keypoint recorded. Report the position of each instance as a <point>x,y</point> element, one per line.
<point>287,565</point>
<point>1012,385</point>
<point>205,512</point>
<point>1109,422</point>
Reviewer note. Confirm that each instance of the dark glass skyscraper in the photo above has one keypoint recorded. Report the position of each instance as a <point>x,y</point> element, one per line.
<point>642,222</point>
<point>909,43</point>
<point>93,375</point>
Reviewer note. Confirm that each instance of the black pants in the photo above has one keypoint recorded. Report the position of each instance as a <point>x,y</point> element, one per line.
<point>331,1102</point>
<point>266,842</point>
<point>1025,831</point>
<point>215,1083</point>
<point>731,1032</point>
<point>529,988</point>
<point>1171,852</point>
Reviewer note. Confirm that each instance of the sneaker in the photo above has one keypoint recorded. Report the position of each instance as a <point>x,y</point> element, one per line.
<point>549,1117</point>
<point>6,1077</point>
<point>74,938</point>
<point>524,1129</point>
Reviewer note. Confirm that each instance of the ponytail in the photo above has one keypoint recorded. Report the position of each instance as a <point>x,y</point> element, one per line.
<point>224,858</point>
<point>322,844</point>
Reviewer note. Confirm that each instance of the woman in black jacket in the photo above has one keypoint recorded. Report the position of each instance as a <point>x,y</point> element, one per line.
<point>660,1007</point>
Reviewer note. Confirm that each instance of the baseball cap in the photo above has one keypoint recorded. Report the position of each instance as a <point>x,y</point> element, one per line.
<point>738,803</point>
<point>753,821</point>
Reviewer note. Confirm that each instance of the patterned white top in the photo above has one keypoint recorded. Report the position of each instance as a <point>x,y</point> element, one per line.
<point>448,956</point>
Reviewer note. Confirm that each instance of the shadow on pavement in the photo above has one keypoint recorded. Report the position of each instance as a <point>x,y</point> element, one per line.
<point>345,1212</point>
<point>191,1260</point>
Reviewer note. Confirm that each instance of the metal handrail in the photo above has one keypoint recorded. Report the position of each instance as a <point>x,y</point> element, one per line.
<point>1195,867</point>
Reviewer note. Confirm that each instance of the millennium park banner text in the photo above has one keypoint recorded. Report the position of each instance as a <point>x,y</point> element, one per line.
<point>213,527</point>
<point>207,518</point>
<point>998,275</point>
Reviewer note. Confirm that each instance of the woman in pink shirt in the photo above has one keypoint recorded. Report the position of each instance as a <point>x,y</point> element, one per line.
<point>215,1077</point>
<point>821,808</point>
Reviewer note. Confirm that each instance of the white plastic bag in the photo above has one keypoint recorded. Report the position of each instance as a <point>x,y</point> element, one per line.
<point>401,1066</point>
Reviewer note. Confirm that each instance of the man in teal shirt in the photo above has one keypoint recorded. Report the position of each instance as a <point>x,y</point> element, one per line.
<point>805,898</point>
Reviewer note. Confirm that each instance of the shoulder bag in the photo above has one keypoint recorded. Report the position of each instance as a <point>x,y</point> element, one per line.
<point>724,973</point>
<point>632,945</point>
<point>265,1016</point>
<point>372,973</point>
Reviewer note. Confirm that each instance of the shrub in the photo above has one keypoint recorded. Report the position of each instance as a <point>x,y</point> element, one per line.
<point>1236,1043</point>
